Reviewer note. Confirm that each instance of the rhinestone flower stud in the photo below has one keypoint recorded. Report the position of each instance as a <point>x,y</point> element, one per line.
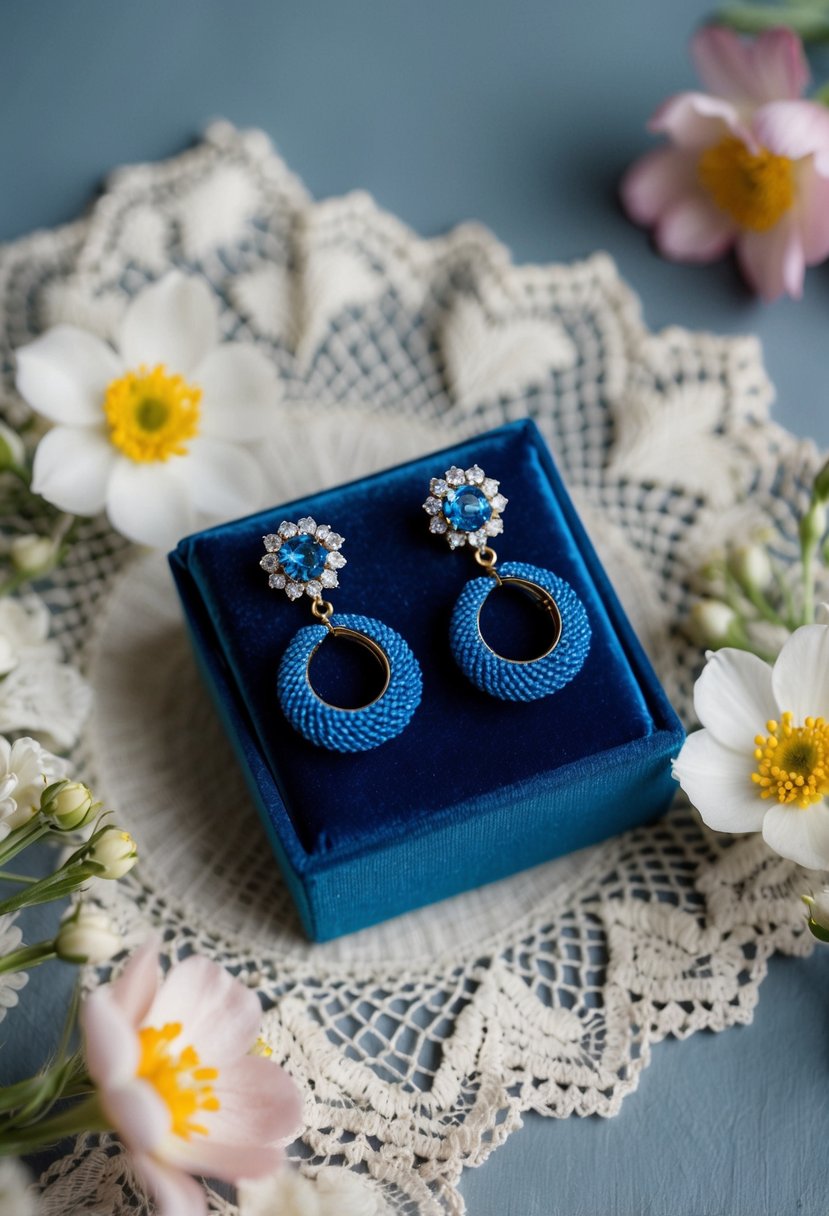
<point>465,506</point>
<point>303,558</point>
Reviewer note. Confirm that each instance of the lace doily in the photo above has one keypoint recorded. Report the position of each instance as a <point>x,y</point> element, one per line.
<point>421,1042</point>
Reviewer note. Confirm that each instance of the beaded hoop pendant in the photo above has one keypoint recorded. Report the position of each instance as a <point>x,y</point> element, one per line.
<point>466,507</point>
<point>304,558</point>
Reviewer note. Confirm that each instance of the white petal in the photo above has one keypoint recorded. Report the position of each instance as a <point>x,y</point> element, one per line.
<point>149,503</point>
<point>110,1043</point>
<point>174,322</point>
<point>800,834</point>
<point>718,783</point>
<point>240,390</point>
<point>733,698</point>
<point>64,374</point>
<point>223,480</point>
<point>72,468</point>
<point>801,674</point>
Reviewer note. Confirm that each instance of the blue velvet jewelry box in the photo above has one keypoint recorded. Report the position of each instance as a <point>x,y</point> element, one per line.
<point>475,788</point>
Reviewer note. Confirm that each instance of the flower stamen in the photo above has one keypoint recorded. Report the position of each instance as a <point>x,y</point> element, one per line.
<point>152,414</point>
<point>793,761</point>
<point>181,1080</point>
<point>755,188</point>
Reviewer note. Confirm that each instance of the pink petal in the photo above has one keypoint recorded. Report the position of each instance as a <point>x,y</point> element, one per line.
<point>795,129</point>
<point>259,1103</point>
<point>656,181</point>
<point>773,262</point>
<point>110,1043</point>
<point>139,1114</point>
<point>696,120</point>
<point>695,230</point>
<point>219,1015</point>
<point>229,1162</point>
<point>767,68</point>
<point>813,215</point>
<point>174,1192</point>
<point>136,986</point>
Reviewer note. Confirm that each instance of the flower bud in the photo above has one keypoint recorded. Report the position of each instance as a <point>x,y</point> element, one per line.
<point>820,488</point>
<point>751,566</point>
<point>32,554</point>
<point>86,936</point>
<point>713,623</point>
<point>813,525</point>
<point>12,451</point>
<point>818,920</point>
<point>67,805</point>
<point>115,850</point>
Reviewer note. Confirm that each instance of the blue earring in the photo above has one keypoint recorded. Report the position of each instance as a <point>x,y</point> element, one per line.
<point>466,507</point>
<point>303,559</point>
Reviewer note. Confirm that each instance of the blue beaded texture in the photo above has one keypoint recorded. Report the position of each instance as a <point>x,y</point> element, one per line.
<point>349,730</point>
<point>513,681</point>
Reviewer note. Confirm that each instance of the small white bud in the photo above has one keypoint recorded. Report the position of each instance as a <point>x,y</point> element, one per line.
<point>712,622</point>
<point>87,935</point>
<point>813,525</point>
<point>116,851</point>
<point>67,805</point>
<point>751,566</point>
<point>12,451</point>
<point>32,554</point>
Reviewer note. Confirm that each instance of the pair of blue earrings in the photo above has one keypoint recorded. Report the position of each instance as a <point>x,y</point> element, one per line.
<point>466,508</point>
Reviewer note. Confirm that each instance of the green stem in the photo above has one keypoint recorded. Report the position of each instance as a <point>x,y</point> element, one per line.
<point>28,956</point>
<point>807,20</point>
<point>83,1117</point>
<point>22,837</point>
<point>7,876</point>
<point>54,886</point>
<point>808,586</point>
<point>766,610</point>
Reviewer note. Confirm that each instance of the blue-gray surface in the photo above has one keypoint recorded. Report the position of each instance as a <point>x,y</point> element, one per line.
<point>521,115</point>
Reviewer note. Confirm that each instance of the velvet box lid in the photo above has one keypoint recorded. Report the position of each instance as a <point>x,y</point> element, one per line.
<point>475,788</point>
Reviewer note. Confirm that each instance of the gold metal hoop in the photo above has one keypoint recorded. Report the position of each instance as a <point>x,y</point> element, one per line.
<point>545,601</point>
<point>362,639</point>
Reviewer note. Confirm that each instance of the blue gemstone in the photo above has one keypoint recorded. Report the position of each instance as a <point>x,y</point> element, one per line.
<point>302,558</point>
<point>469,509</point>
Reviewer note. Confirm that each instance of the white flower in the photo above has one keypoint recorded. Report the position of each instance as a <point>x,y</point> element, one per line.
<point>10,981</point>
<point>32,554</point>
<point>151,431</point>
<point>818,906</point>
<point>333,1192</point>
<point>68,805</point>
<point>116,851</point>
<point>751,566</point>
<point>26,769</point>
<point>761,763</point>
<point>16,1199</point>
<point>39,692</point>
<point>87,935</point>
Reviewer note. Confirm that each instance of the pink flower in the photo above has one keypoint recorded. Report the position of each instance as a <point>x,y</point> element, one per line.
<point>175,1080</point>
<point>748,164</point>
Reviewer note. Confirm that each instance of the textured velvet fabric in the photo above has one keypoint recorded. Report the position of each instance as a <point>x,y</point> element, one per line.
<point>474,788</point>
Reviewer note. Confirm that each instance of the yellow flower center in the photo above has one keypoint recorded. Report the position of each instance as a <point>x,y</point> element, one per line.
<point>756,189</point>
<point>793,761</point>
<point>152,414</point>
<point>181,1082</point>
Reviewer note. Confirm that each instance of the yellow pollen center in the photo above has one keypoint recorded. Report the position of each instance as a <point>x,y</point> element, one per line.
<point>755,189</point>
<point>793,761</point>
<point>184,1086</point>
<point>152,414</point>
